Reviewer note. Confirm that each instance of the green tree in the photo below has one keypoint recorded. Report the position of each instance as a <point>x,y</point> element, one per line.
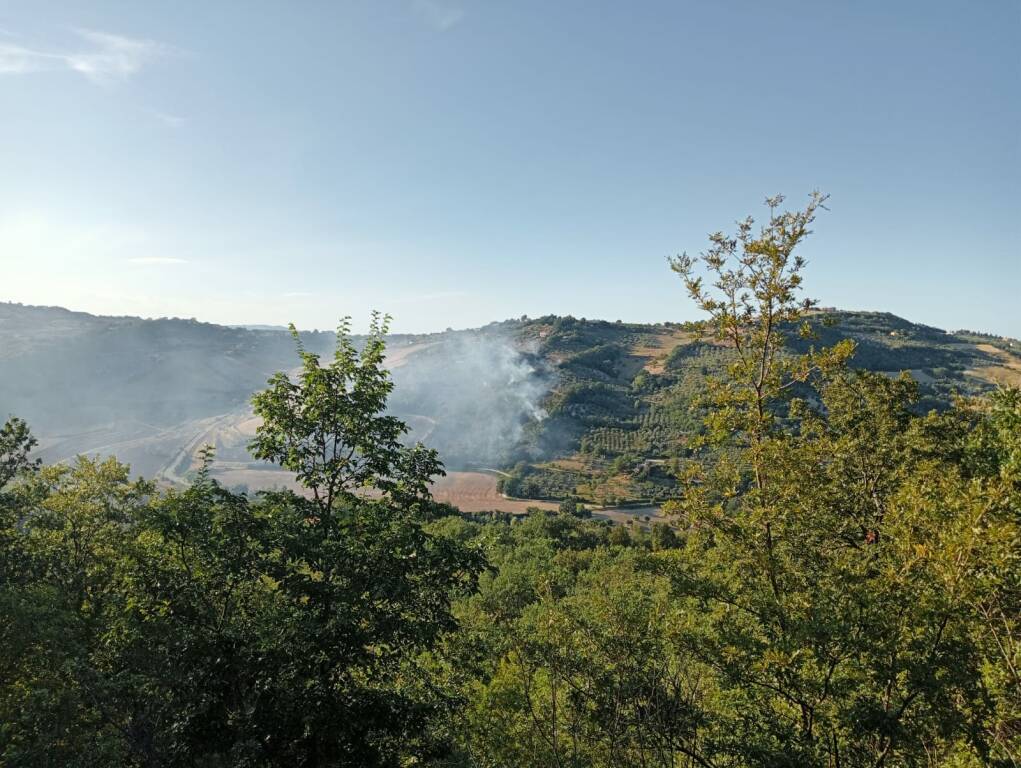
<point>362,587</point>
<point>867,653</point>
<point>619,536</point>
<point>831,602</point>
<point>834,608</point>
<point>753,304</point>
<point>16,444</point>
<point>62,546</point>
<point>591,678</point>
<point>663,537</point>
<point>572,506</point>
<point>993,456</point>
<point>201,627</point>
<point>330,427</point>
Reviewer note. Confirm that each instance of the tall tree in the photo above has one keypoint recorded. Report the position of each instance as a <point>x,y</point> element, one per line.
<point>834,608</point>
<point>202,627</point>
<point>818,608</point>
<point>362,587</point>
<point>754,303</point>
<point>330,427</point>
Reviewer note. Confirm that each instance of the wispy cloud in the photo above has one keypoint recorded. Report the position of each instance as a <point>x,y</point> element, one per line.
<point>438,15</point>
<point>16,60</point>
<point>174,121</point>
<point>108,58</point>
<point>156,260</point>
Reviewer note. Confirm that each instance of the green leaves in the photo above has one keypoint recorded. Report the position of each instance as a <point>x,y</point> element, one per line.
<point>843,588</point>
<point>328,425</point>
<point>202,627</point>
<point>16,444</point>
<point>753,303</point>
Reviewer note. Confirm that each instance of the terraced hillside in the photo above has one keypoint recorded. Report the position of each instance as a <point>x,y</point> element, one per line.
<point>623,410</point>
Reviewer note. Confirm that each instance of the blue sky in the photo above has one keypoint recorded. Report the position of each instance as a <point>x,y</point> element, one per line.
<point>458,161</point>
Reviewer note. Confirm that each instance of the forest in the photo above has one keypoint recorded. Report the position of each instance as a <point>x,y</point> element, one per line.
<point>836,582</point>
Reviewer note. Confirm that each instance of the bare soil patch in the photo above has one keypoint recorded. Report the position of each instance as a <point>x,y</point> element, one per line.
<point>653,351</point>
<point>1007,373</point>
<point>476,492</point>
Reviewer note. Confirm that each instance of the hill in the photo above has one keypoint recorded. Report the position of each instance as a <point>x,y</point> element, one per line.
<point>562,406</point>
<point>621,413</point>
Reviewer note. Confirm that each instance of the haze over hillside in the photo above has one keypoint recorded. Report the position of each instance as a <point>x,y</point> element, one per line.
<point>648,500</point>
<point>541,393</point>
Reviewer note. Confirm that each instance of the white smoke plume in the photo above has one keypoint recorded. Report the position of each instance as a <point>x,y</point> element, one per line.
<point>472,396</point>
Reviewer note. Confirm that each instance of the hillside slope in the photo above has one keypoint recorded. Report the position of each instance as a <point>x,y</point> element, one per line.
<point>622,411</point>
<point>570,406</point>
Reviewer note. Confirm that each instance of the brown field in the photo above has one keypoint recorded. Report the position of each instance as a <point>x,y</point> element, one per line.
<point>997,374</point>
<point>1008,373</point>
<point>653,353</point>
<point>476,492</point>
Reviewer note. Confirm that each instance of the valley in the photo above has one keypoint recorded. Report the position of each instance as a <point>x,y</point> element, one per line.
<point>524,413</point>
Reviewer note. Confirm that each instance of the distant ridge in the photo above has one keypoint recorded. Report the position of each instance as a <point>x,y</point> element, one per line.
<point>9,308</point>
<point>258,327</point>
<point>571,388</point>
